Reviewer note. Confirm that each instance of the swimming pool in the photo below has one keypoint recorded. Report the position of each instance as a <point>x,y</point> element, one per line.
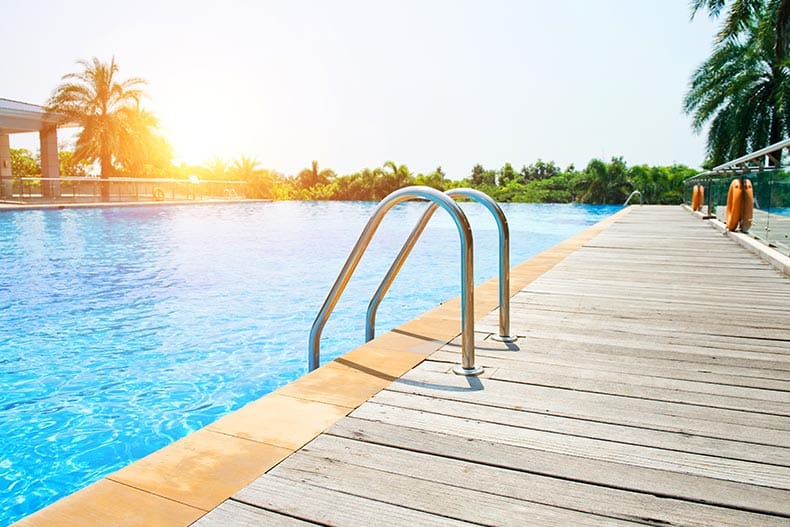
<point>124,329</point>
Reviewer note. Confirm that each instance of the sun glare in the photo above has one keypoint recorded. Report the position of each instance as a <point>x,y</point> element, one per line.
<point>199,135</point>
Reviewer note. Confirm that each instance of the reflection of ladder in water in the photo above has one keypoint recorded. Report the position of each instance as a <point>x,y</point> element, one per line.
<point>230,193</point>
<point>631,195</point>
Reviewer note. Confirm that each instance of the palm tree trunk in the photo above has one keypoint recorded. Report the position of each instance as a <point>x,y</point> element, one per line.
<point>775,133</point>
<point>776,136</point>
<point>106,164</point>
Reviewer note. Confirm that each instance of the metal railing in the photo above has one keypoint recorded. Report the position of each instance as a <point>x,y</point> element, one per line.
<point>120,189</point>
<point>504,262</point>
<point>767,172</point>
<point>631,195</point>
<point>467,366</point>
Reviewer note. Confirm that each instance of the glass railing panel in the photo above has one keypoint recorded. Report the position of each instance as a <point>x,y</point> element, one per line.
<point>719,188</point>
<point>778,228</point>
<point>761,188</point>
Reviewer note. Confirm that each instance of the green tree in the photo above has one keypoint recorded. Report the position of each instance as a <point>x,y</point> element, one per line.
<point>104,107</point>
<point>145,153</point>
<point>743,89</point>
<point>435,179</point>
<point>606,182</point>
<point>481,176</point>
<point>398,176</point>
<point>741,14</point>
<point>245,167</point>
<point>70,167</point>
<point>310,177</point>
<point>539,170</point>
<point>260,182</point>
<point>24,163</point>
<point>216,168</point>
<point>507,174</point>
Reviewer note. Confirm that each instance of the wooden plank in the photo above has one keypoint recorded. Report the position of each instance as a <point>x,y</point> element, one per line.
<point>330,507</point>
<point>242,515</point>
<point>626,477</point>
<point>645,309</point>
<point>697,304</point>
<point>656,389</point>
<point>582,446</point>
<point>588,285</point>
<point>603,501</point>
<point>627,320</point>
<point>458,502</point>
<point>709,422</point>
<point>537,372</point>
<point>677,357</point>
<point>493,354</point>
<point>754,350</point>
<point>672,441</point>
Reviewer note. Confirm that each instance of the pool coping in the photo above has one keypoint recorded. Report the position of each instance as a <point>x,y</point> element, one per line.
<point>183,481</point>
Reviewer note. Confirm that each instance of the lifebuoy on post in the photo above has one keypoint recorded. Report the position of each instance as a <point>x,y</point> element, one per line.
<point>733,211</point>
<point>158,194</point>
<point>748,205</point>
<point>695,198</point>
<point>701,197</point>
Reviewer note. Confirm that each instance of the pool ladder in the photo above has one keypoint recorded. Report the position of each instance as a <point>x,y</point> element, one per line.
<point>631,195</point>
<point>445,201</point>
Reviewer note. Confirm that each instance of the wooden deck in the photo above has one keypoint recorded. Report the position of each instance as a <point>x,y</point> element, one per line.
<point>650,385</point>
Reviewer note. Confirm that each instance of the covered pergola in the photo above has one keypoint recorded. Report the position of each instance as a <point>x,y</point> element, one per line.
<point>20,117</point>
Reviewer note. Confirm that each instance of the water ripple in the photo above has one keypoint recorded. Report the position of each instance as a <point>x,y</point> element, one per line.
<point>122,330</point>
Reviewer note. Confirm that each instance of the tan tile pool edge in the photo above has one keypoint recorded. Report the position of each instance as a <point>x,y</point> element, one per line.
<point>181,482</point>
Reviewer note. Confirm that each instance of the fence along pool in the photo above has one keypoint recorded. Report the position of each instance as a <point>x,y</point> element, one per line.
<point>767,173</point>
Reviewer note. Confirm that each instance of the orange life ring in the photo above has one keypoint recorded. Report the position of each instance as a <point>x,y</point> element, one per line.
<point>733,211</point>
<point>158,194</point>
<point>748,205</point>
<point>701,197</point>
<point>695,198</point>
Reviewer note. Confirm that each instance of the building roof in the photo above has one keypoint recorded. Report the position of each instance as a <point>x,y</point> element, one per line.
<point>19,117</point>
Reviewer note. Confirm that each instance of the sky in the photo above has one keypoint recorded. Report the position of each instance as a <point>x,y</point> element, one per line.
<point>352,84</point>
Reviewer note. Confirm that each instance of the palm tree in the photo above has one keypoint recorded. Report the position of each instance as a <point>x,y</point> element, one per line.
<point>259,181</point>
<point>741,13</point>
<point>245,167</point>
<point>310,177</point>
<point>216,168</point>
<point>99,103</point>
<point>398,177</point>
<point>142,152</point>
<point>605,182</point>
<point>742,90</point>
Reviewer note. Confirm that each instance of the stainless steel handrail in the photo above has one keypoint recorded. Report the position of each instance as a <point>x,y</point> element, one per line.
<point>467,366</point>
<point>631,195</point>
<point>504,263</point>
<point>754,155</point>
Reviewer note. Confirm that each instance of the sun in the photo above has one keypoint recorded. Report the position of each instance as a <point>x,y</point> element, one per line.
<point>198,134</point>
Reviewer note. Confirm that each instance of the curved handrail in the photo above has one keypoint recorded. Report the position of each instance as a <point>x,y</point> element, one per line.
<point>631,195</point>
<point>467,366</point>
<point>504,262</point>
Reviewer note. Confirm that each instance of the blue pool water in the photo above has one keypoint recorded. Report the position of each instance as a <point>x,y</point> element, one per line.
<point>124,329</point>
